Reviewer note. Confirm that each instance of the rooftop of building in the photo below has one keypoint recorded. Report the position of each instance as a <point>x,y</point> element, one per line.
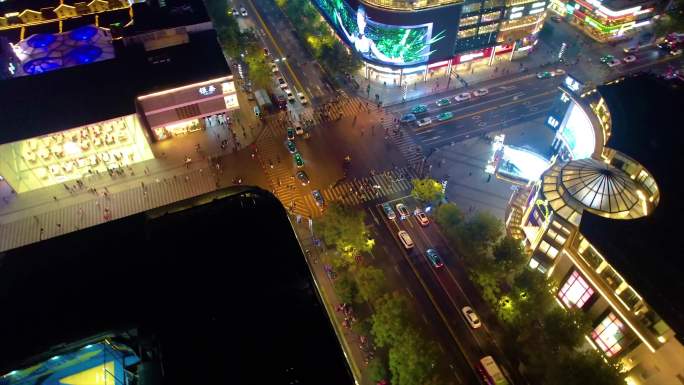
<point>76,96</point>
<point>153,15</point>
<point>222,299</point>
<point>646,250</point>
<point>617,5</point>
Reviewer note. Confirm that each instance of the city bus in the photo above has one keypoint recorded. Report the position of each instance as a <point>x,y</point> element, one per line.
<point>491,373</point>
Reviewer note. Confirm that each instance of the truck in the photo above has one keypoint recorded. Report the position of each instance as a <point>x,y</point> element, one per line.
<point>263,101</point>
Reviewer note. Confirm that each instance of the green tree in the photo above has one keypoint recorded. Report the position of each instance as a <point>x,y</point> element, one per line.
<point>481,231</point>
<point>345,228</point>
<point>258,71</point>
<point>565,329</point>
<point>531,295</point>
<point>362,327</point>
<point>345,288</point>
<point>377,369</point>
<point>582,368</point>
<point>509,254</point>
<point>449,217</point>
<point>371,282</point>
<point>427,190</point>
<point>672,20</point>
<point>411,359</point>
<point>390,319</point>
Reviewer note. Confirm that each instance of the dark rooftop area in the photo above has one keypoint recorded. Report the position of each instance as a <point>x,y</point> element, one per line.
<point>647,251</point>
<point>20,5</point>
<point>230,303</point>
<point>151,15</point>
<point>71,97</point>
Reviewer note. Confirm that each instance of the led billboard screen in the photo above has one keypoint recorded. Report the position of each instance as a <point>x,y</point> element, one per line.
<point>577,133</point>
<point>398,39</point>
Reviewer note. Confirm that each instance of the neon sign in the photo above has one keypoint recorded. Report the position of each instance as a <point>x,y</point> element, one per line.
<point>206,91</point>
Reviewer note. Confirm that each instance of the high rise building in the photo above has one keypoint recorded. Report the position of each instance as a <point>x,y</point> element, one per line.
<point>400,40</point>
<point>87,92</point>
<point>602,222</point>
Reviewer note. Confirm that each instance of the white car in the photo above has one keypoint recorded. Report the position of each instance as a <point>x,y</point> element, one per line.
<point>421,217</point>
<point>405,239</point>
<point>423,122</point>
<point>629,58</point>
<point>298,129</point>
<point>471,317</point>
<point>463,97</point>
<point>235,12</point>
<point>290,96</point>
<point>243,11</point>
<point>403,210</point>
<point>613,63</point>
<point>676,52</point>
<point>481,92</point>
<point>274,67</point>
<point>302,98</point>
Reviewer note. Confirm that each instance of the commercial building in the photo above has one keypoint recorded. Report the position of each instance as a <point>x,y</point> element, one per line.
<point>601,222</point>
<point>88,93</point>
<point>403,41</point>
<point>610,20</point>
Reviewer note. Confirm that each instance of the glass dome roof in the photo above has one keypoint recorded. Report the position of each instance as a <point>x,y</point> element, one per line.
<point>589,184</point>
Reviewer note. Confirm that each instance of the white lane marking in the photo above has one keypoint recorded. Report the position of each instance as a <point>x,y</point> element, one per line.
<point>409,290</point>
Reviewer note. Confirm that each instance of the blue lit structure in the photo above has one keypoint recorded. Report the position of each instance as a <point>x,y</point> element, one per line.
<point>43,64</point>
<point>41,40</point>
<point>42,52</point>
<point>85,54</point>
<point>94,364</point>
<point>83,33</point>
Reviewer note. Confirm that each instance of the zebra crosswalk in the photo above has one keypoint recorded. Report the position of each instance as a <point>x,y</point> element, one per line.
<point>358,191</point>
<point>280,173</point>
<point>404,142</point>
<point>345,106</point>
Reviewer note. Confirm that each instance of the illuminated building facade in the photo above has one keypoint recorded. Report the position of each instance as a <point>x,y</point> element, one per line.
<point>403,41</point>
<point>83,99</point>
<point>598,223</point>
<point>608,20</point>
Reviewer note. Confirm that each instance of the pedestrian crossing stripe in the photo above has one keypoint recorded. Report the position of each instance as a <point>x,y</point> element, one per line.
<point>356,192</point>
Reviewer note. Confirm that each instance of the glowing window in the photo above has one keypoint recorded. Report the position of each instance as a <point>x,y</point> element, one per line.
<point>576,291</point>
<point>608,335</point>
<point>467,32</point>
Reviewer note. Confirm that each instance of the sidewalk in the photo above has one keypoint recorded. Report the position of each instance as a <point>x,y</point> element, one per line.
<point>137,187</point>
<point>391,94</point>
<point>324,286</point>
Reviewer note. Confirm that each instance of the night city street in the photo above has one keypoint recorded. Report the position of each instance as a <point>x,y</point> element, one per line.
<point>364,192</point>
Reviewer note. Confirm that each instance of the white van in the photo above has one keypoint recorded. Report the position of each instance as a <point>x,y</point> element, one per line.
<point>405,239</point>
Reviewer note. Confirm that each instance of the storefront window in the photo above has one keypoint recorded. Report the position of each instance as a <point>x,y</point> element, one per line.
<point>73,154</point>
<point>468,8</point>
<point>467,33</point>
<point>611,277</point>
<point>488,28</point>
<point>491,16</point>
<point>576,291</point>
<point>608,335</point>
<point>469,20</point>
<point>493,3</point>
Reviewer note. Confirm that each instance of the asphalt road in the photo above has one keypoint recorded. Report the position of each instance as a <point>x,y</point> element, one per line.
<point>506,104</point>
<point>439,292</point>
<point>304,72</point>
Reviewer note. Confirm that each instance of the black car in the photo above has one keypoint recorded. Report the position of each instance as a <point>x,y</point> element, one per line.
<point>303,178</point>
